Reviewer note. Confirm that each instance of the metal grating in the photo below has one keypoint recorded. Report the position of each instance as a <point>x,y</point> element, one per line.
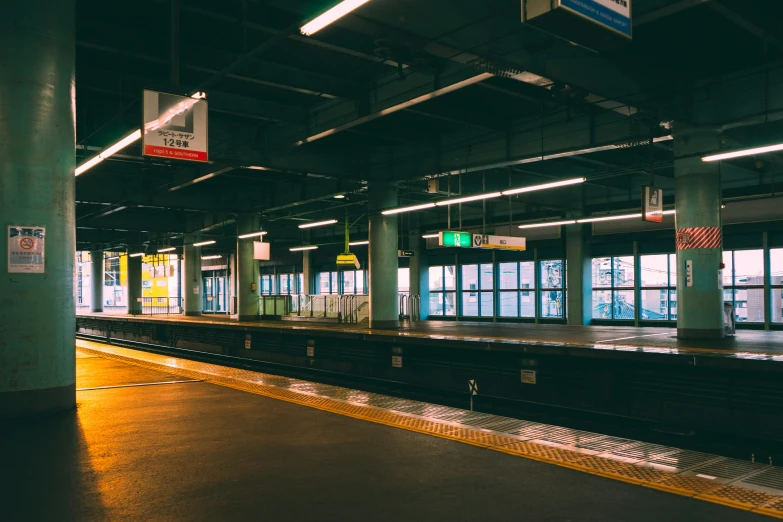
<point>753,486</point>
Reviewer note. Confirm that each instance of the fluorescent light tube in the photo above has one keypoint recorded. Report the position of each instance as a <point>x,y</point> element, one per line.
<point>204,243</point>
<point>430,236</point>
<point>544,186</point>
<point>609,218</point>
<point>169,249</point>
<point>407,209</point>
<point>137,254</point>
<point>205,258</point>
<point>330,16</point>
<point>318,224</point>
<point>87,165</point>
<point>744,152</point>
<point>111,150</point>
<point>299,249</point>
<point>359,243</point>
<point>254,234</point>
<point>477,197</point>
<point>549,224</point>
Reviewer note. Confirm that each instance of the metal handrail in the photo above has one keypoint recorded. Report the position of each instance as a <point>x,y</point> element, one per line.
<point>160,305</point>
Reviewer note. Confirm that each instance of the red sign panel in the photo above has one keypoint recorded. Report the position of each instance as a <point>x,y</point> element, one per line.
<point>699,237</point>
<point>168,152</point>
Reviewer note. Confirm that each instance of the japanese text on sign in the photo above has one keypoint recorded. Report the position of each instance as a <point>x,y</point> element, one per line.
<point>26,249</point>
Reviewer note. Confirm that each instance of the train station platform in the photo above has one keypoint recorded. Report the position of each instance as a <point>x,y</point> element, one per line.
<point>720,390</point>
<point>164,438</point>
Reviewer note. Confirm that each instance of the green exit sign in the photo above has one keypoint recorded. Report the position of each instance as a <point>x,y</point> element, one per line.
<point>455,239</point>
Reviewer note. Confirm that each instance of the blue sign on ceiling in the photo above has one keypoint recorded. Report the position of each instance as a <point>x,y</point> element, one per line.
<point>617,19</point>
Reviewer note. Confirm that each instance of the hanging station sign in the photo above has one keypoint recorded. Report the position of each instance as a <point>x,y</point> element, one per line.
<point>652,204</point>
<point>612,14</point>
<point>596,24</point>
<point>455,239</point>
<point>26,249</point>
<point>499,242</point>
<point>174,126</point>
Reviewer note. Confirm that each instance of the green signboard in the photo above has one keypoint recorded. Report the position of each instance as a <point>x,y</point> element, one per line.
<point>455,239</point>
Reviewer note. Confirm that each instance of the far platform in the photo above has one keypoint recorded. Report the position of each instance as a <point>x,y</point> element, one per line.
<point>524,337</point>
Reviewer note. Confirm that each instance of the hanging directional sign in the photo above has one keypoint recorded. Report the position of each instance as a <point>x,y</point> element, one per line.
<point>652,204</point>
<point>499,242</point>
<point>455,239</point>
<point>174,126</point>
<point>473,387</point>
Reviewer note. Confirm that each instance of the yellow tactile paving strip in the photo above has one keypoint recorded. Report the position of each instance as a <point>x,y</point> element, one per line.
<point>246,380</point>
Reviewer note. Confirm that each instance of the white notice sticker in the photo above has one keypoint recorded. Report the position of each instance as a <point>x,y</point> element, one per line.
<point>528,376</point>
<point>688,273</point>
<point>26,249</point>
<point>396,361</point>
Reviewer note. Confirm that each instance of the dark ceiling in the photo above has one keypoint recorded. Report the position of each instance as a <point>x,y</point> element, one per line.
<point>405,90</point>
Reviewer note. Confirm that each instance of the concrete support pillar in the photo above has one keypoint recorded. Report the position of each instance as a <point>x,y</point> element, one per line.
<point>192,285</point>
<point>247,271</point>
<point>415,243</point>
<point>97,275</point>
<point>307,273</point>
<point>37,143</point>
<point>580,285</point>
<point>384,302</point>
<point>134,283</point>
<point>699,234</point>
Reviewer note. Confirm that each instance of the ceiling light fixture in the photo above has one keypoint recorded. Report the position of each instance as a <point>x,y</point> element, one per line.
<point>544,186</point>
<point>109,151</point>
<point>137,254</point>
<point>204,243</point>
<point>330,16</point>
<point>169,249</point>
<point>430,236</point>
<point>318,224</point>
<point>339,196</point>
<point>616,218</point>
<point>206,258</point>
<point>359,243</point>
<point>299,249</point>
<point>549,224</point>
<point>408,209</point>
<point>744,152</point>
<point>466,199</point>
<point>253,234</point>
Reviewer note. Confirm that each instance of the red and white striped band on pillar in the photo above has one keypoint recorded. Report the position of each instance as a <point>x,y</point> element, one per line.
<point>699,237</point>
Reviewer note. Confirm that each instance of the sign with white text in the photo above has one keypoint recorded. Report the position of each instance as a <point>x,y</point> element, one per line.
<point>174,126</point>
<point>612,14</point>
<point>652,204</point>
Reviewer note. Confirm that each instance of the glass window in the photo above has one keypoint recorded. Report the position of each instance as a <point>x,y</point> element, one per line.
<point>441,302</point>
<point>404,280</point>
<point>478,290</point>
<point>552,295</point>
<point>509,276</point>
<point>611,277</point>
<point>514,280</point>
<point>744,284</point>
<point>552,274</point>
<point>300,286</point>
<point>349,278</point>
<point>654,270</point>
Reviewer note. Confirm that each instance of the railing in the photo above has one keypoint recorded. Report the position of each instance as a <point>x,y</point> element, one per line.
<point>410,307</point>
<point>158,306</point>
<point>275,305</point>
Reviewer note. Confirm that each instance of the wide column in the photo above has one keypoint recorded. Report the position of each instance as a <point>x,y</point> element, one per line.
<point>192,286</point>
<point>384,302</point>
<point>414,267</point>
<point>37,143</point>
<point>699,234</point>
<point>580,289</point>
<point>307,273</point>
<point>247,271</point>
<point>134,283</point>
<point>97,276</point>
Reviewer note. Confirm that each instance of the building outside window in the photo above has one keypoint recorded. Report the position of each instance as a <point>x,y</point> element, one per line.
<point>443,295</point>
<point>404,281</point>
<point>353,282</point>
<point>613,288</point>
<point>552,288</point>
<point>658,287</point>
<point>115,280</point>
<point>517,296</point>
<point>287,284</point>
<point>776,282</point>
<point>82,286</point>
<point>327,283</point>
<point>477,290</point>
<point>743,284</point>
<point>267,284</point>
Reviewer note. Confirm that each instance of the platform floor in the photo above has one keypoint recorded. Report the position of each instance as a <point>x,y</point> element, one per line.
<point>141,446</point>
<point>754,343</point>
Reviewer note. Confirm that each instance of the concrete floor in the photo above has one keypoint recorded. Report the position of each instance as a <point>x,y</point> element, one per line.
<point>197,451</point>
